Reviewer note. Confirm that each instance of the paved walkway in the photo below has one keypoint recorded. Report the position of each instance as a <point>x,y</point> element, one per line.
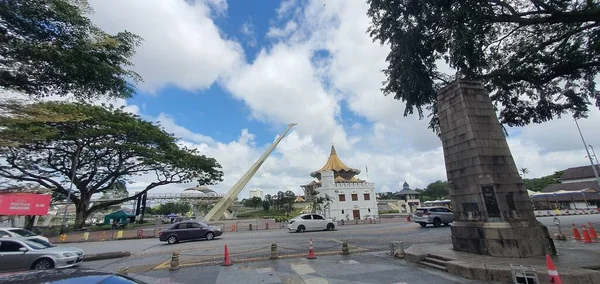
<point>360,268</point>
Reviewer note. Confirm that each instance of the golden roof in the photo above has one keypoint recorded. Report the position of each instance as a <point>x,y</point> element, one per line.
<point>340,179</point>
<point>337,166</point>
<point>334,163</point>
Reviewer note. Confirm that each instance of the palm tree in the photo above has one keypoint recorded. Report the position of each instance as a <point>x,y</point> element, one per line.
<point>525,171</point>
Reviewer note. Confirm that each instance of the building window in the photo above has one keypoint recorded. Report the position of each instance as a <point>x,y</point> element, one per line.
<point>367,196</point>
<point>354,197</point>
<point>342,197</point>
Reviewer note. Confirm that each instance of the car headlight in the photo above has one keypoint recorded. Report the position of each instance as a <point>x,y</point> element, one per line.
<point>68,254</point>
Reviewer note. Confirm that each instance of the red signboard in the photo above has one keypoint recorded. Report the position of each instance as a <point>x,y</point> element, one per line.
<point>24,204</point>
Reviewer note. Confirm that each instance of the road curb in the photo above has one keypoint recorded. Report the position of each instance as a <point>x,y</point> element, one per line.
<point>107,255</point>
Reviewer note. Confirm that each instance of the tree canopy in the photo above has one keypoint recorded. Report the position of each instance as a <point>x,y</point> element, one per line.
<point>538,184</point>
<point>108,147</point>
<point>538,59</point>
<point>50,47</point>
<point>436,190</point>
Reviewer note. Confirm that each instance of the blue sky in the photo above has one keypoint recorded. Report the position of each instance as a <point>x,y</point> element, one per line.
<point>227,76</point>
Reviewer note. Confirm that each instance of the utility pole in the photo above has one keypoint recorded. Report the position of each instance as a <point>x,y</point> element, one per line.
<point>585,145</point>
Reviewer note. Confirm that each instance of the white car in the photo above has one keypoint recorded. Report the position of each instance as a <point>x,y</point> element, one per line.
<point>310,222</point>
<point>20,233</point>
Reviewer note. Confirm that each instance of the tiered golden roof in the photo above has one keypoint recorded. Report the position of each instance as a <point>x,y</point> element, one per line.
<point>337,166</point>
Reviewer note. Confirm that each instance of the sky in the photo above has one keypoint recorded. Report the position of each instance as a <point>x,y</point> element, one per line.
<point>228,76</point>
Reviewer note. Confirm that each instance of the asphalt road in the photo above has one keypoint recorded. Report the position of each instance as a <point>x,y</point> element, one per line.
<point>148,253</point>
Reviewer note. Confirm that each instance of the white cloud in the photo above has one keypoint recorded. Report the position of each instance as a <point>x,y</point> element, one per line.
<point>182,45</point>
<point>247,30</point>
<point>282,86</point>
<point>276,32</point>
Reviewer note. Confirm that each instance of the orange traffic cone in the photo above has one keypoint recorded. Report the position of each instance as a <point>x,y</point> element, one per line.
<point>576,234</point>
<point>586,236</point>
<point>227,261</point>
<point>592,232</point>
<point>552,273</point>
<point>311,251</point>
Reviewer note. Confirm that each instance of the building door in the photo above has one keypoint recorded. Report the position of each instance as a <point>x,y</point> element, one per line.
<point>356,214</point>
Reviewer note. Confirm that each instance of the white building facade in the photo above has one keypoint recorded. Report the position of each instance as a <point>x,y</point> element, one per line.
<point>256,193</point>
<point>349,198</point>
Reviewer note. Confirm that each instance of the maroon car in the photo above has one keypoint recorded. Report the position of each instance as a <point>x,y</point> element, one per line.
<point>189,230</point>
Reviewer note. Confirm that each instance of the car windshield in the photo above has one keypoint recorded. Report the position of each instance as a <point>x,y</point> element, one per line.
<point>421,210</point>
<point>42,242</point>
<point>203,225</point>
<point>23,232</point>
<point>34,245</point>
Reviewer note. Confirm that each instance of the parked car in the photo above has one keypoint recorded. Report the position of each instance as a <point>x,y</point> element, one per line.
<point>21,254</point>
<point>433,215</point>
<point>67,276</point>
<point>310,222</point>
<point>189,230</point>
<point>18,232</point>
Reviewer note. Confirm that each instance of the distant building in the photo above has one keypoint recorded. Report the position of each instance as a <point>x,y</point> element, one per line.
<point>409,199</point>
<point>350,198</point>
<point>578,189</point>
<point>256,193</point>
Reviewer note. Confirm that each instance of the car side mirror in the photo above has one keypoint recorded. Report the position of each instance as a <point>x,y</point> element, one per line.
<point>23,249</point>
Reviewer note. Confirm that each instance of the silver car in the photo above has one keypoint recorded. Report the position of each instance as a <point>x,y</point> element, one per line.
<point>20,233</point>
<point>20,254</point>
<point>433,215</point>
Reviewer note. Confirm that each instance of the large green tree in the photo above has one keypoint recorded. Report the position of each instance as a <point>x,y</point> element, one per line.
<point>50,47</point>
<point>538,59</point>
<point>436,190</point>
<point>109,146</point>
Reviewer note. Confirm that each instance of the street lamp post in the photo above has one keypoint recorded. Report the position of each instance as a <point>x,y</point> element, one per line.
<point>596,157</point>
<point>337,203</point>
<point>73,171</point>
<point>585,145</point>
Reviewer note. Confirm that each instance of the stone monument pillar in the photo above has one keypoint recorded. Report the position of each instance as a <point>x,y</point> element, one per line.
<point>493,214</point>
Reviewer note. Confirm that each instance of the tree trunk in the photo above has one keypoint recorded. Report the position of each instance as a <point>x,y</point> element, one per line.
<point>29,219</point>
<point>81,213</point>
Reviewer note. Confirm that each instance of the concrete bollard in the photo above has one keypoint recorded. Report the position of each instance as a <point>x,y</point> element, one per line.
<point>396,249</point>
<point>123,271</point>
<point>233,227</point>
<point>103,236</point>
<point>274,254</point>
<point>140,234</point>
<point>249,227</point>
<point>174,261</point>
<point>86,236</point>
<point>119,234</point>
<point>345,250</point>
<point>266,226</point>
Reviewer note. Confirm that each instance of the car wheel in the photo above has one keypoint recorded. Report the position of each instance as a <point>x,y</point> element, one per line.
<point>437,222</point>
<point>210,236</point>
<point>423,225</point>
<point>330,227</point>
<point>172,240</point>
<point>301,229</point>
<point>43,264</point>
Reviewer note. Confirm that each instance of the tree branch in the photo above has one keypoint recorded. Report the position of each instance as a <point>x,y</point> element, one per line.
<point>555,18</point>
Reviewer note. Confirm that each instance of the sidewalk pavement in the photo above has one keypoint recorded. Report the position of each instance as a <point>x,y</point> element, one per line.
<point>576,262</point>
<point>377,268</point>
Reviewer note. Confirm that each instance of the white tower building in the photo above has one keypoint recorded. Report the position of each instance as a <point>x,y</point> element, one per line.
<point>347,197</point>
